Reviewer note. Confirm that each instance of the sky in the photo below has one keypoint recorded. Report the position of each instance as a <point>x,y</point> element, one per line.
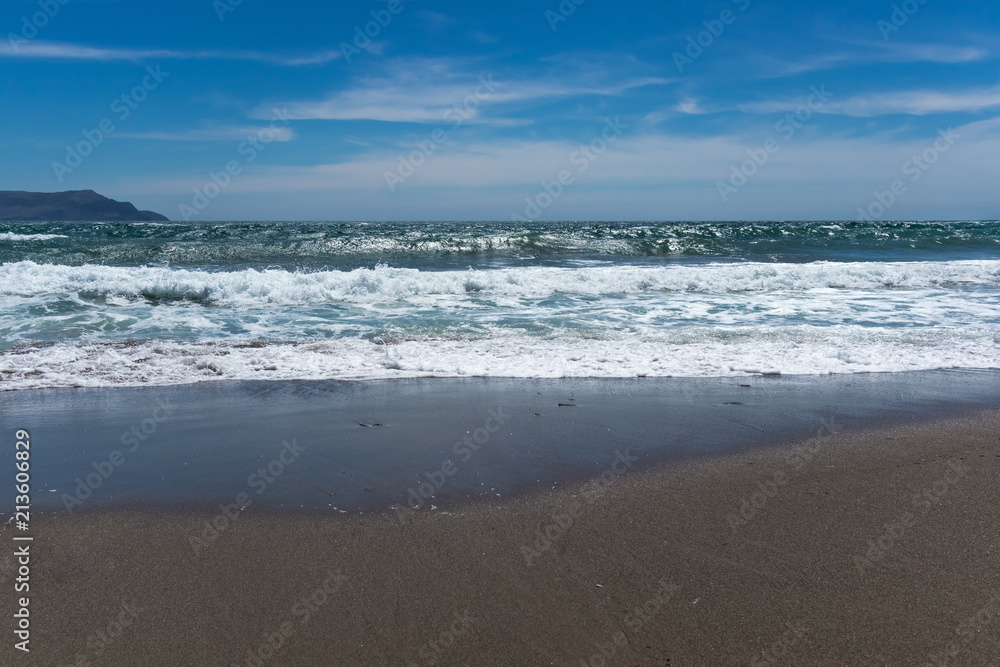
<point>544,110</point>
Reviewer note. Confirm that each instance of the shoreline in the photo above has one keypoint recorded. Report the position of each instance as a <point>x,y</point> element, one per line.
<point>873,546</point>
<point>209,381</point>
<point>361,447</point>
<point>367,447</point>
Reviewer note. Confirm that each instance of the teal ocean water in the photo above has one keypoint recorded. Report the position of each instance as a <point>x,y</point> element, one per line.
<point>106,304</point>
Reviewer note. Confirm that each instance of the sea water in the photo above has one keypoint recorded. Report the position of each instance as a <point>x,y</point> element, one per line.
<point>120,304</point>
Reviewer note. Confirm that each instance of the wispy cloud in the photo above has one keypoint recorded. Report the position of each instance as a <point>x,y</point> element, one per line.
<point>909,102</point>
<point>810,178</point>
<point>687,106</point>
<point>230,133</point>
<point>690,105</point>
<point>871,53</point>
<point>945,54</point>
<point>643,160</point>
<point>424,91</point>
<point>39,49</point>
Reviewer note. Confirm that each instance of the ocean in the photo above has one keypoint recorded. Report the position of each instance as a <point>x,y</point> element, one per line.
<point>129,304</point>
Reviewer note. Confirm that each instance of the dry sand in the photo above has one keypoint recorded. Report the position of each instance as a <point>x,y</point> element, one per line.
<point>879,547</point>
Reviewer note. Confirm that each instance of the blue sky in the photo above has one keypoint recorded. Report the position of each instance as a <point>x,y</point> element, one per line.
<point>263,110</point>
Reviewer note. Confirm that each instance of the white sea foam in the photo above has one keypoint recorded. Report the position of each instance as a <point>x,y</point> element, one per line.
<point>804,350</point>
<point>278,287</point>
<point>156,325</point>
<point>11,236</point>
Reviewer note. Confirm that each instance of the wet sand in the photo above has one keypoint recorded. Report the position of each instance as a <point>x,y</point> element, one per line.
<point>877,546</point>
<point>362,447</point>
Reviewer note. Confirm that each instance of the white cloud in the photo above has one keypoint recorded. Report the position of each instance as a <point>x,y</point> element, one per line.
<point>229,133</point>
<point>869,53</point>
<point>910,102</point>
<point>690,106</point>
<point>919,102</point>
<point>40,49</point>
<point>945,54</point>
<point>642,176</point>
<point>423,91</point>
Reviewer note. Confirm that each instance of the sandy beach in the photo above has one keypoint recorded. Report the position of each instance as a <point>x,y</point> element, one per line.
<point>876,546</point>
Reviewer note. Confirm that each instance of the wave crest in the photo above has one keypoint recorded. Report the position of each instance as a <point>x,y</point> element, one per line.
<point>251,287</point>
<point>11,236</point>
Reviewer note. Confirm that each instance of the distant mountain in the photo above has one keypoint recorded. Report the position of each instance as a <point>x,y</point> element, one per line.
<point>75,205</point>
